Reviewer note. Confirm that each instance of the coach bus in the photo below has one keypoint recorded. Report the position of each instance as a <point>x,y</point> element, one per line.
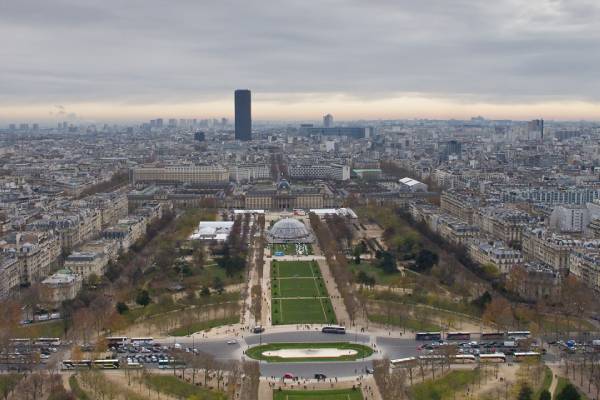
<point>428,336</point>
<point>463,359</point>
<point>107,364</point>
<point>334,329</point>
<point>116,341</point>
<point>170,364</point>
<point>518,334</point>
<point>407,362</point>
<point>527,355</point>
<point>492,358</point>
<point>76,364</point>
<point>44,341</point>
<point>458,336</point>
<point>492,336</point>
<point>140,341</point>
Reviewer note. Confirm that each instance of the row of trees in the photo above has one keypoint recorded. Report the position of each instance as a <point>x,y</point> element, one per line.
<point>338,264</point>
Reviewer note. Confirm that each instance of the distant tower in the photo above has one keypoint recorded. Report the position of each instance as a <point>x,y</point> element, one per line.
<point>328,121</point>
<point>536,129</point>
<point>243,115</point>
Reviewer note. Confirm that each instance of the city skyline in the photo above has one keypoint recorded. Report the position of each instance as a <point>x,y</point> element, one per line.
<point>111,61</point>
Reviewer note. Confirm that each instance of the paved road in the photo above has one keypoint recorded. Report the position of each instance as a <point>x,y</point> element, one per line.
<point>385,346</point>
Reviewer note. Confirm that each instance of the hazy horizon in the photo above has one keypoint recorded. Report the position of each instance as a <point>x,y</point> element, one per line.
<point>137,60</point>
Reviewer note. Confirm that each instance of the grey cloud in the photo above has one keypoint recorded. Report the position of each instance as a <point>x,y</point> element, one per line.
<point>146,51</point>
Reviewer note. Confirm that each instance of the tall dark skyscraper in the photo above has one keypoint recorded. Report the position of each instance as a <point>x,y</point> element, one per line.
<point>243,115</point>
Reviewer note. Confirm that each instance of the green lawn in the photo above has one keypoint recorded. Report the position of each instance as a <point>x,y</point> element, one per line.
<point>302,311</point>
<point>361,351</point>
<point>173,386</point>
<point>381,278</point>
<point>42,329</point>
<point>203,326</point>
<point>292,250</point>
<point>299,287</point>
<point>406,322</point>
<point>299,295</point>
<point>562,382</point>
<point>348,394</point>
<point>291,269</point>
<point>445,387</point>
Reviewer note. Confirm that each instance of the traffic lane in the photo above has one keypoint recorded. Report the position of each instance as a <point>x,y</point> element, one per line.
<point>397,348</point>
<point>307,370</point>
<point>304,337</point>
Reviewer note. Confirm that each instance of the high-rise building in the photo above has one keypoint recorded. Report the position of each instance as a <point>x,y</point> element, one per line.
<point>536,129</point>
<point>243,115</point>
<point>328,121</point>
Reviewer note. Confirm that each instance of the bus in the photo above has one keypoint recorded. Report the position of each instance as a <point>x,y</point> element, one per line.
<point>518,334</point>
<point>170,363</point>
<point>428,336</point>
<point>107,364</point>
<point>527,355</point>
<point>458,336</point>
<point>492,336</point>
<point>142,341</point>
<point>492,358</point>
<point>76,364</point>
<point>463,359</point>
<point>407,362</point>
<point>334,329</point>
<point>116,341</point>
<point>44,341</point>
<point>134,365</point>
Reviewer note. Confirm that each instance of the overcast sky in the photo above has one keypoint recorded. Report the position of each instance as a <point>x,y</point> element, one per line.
<point>354,58</point>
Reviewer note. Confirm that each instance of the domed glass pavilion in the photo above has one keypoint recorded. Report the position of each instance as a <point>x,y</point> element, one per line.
<point>289,230</point>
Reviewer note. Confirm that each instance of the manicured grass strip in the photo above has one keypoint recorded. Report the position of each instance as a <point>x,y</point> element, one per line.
<point>362,351</point>
<point>303,311</point>
<point>290,269</point>
<point>344,394</point>
<point>203,326</point>
<point>175,387</point>
<point>445,387</point>
<point>79,393</point>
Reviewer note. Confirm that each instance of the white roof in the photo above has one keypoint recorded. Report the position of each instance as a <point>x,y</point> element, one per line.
<point>410,181</point>
<point>218,230</point>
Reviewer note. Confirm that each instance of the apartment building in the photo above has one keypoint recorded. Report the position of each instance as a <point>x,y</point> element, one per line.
<point>59,287</point>
<point>458,205</point>
<point>9,274</point>
<point>495,253</point>
<point>585,265</point>
<point>180,174</point>
<point>337,172</point>
<point>86,264</point>
<point>540,245</point>
<point>503,224</point>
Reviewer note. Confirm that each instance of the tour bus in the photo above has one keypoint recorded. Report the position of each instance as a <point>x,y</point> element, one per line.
<point>492,358</point>
<point>142,341</point>
<point>20,342</point>
<point>492,335</point>
<point>169,364</point>
<point>116,341</point>
<point>458,336</point>
<point>527,355</point>
<point>47,341</point>
<point>334,329</point>
<point>134,365</point>
<point>463,359</point>
<point>76,364</point>
<point>428,336</point>
<point>107,364</point>
<point>518,334</point>
<point>407,362</point>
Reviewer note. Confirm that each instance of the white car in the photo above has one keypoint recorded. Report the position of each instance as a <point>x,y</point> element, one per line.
<point>232,341</point>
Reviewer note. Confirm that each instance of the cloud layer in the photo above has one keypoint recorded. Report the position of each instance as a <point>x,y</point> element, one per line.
<point>144,52</point>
